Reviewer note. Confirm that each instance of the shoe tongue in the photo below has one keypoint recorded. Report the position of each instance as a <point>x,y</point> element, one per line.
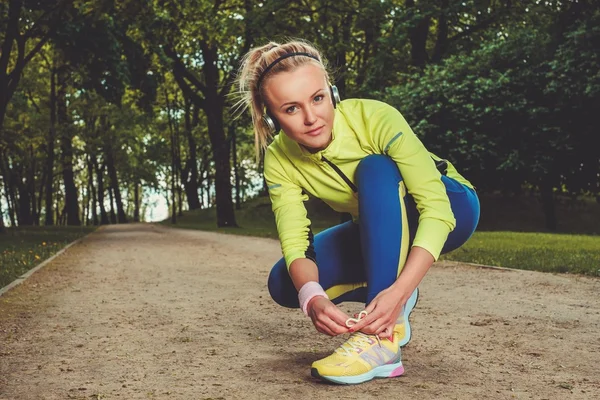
<point>352,343</point>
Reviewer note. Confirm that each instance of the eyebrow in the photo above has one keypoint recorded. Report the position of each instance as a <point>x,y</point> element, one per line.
<point>294,102</point>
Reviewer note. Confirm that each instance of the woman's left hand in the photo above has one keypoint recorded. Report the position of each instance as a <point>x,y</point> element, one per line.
<point>382,313</point>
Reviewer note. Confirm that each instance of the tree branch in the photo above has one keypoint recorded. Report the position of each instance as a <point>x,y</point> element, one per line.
<point>180,69</point>
<point>248,40</point>
<point>12,33</point>
<point>187,90</point>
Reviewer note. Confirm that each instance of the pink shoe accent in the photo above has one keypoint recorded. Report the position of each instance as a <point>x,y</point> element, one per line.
<point>397,372</point>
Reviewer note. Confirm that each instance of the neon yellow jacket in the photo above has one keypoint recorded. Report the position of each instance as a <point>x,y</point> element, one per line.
<point>361,127</point>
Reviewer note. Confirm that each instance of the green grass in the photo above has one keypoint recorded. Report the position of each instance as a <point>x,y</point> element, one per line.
<point>23,248</point>
<point>510,235</point>
<point>546,252</point>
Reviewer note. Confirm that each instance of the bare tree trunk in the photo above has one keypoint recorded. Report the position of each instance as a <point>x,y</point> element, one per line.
<point>113,215</point>
<point>94,206</point>
<point>66,154</point>
<point>418,37</point>
<point>173,177</point>
<point>40,195</point>
<point>50,147</point>
<point>114,180</point>
<point>100,177</point>
<point>9,184</point>
<point>24,204</point>
<point>441,43</point>
<point>136,200</point>
<point>2,226</point>
<point>233,136</point>
<point>173,162</point>
<point>190,171</point>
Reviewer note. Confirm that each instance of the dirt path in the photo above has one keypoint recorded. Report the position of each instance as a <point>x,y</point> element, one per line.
<point>147,312</point>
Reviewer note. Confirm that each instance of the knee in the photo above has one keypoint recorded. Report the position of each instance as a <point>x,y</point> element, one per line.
<point>377,165</point>
<point>280,286</point>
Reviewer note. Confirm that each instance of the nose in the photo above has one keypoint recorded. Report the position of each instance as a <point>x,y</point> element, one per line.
<point>310,117</point>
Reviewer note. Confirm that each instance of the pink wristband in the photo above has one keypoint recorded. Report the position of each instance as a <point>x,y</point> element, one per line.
<point>307,292</point>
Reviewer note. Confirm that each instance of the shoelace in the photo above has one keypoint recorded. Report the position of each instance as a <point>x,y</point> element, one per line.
<point>353,321</point>
<point>357,341</point>
<point>358,338</point>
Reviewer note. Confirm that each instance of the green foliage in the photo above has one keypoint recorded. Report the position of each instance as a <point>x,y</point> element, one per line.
<point>505,112</point>
<point>23,248</point>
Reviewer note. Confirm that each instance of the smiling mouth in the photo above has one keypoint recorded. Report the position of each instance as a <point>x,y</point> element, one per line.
<point>315,131</point>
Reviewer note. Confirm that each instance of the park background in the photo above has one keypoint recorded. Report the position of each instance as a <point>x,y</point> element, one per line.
<point>115,112</point>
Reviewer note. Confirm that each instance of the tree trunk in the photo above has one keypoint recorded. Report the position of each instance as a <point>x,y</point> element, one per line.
<point>40,196</point>
<point>10,36</point>
<point>213,106</point>
<point>24,205</point>
<point>100,178</point>
<point>94,206</point>
<point>173,178</point>
<point>2,227</point>
<point>418,36</point>
<point>113,215</point>
<point>31,188</point>
<point>9,184</point>
<point>49,221</point>
<point>190,178</point>
<point>220,146</point>
<point>136,199</point>
<point>441,43</point>
<point>114,181</point>
<point>233,136</point>
<point>66,151</point>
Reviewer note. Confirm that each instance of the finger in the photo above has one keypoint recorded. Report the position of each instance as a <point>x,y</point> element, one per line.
<point>376,327</point>
<point>334,327</point>
<point>324,329</point>
<point>369,319</point>
<point>386,332</point>
<point>340,319</point>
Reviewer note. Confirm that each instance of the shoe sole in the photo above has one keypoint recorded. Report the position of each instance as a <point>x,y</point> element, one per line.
<point>410,305</point>
<point>384,371</point>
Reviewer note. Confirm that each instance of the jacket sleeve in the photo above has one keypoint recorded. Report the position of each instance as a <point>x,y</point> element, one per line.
<point>287,200</point>
<point>394,137</point>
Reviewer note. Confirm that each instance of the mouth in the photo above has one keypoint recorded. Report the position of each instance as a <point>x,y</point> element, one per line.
<point>316,131</point>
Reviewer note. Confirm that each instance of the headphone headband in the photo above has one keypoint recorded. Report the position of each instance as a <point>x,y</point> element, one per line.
<point>277,60</point>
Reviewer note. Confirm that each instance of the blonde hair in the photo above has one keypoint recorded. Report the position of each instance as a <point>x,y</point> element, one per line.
<point>252,68</point>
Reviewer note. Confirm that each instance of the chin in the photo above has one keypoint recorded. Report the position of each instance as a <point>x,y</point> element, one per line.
<point>317,145</point>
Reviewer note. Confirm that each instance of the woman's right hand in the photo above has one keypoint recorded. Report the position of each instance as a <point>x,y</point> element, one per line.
<point>327,317</point>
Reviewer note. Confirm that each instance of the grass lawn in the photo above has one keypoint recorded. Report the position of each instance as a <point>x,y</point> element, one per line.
<point>23,248</point>
<point>514,244</point>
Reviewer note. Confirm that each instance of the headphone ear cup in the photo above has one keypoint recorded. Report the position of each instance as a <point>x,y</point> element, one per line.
<point>271,122</point>
<point>335,95</point>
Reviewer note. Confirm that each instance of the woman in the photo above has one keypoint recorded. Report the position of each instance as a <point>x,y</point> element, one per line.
<point>360,157</point>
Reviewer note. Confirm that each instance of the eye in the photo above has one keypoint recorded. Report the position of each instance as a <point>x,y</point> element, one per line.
<point>319,98</point>
<point>290,109</point>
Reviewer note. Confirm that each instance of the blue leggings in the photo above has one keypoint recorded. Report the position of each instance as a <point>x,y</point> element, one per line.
<point>357,261</point>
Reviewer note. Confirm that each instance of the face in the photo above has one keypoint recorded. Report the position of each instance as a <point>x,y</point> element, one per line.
<point>301,102</point>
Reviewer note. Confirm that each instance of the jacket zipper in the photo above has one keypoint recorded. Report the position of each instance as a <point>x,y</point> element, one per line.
<point>341,174</point>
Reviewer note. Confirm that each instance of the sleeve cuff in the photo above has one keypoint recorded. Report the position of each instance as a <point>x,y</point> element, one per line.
<point>432,235</point>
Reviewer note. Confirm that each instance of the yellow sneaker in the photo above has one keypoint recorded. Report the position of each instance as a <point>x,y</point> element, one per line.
<point>361,358</point>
